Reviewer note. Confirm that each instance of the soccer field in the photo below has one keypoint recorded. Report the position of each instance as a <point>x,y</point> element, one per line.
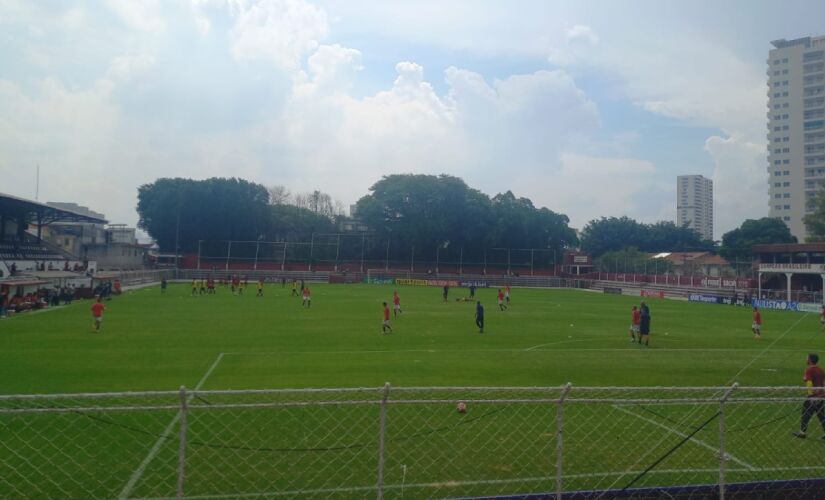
<point>153,341</point>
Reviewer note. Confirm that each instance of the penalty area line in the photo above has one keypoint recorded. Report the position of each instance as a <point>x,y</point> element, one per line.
<point>141,469</point>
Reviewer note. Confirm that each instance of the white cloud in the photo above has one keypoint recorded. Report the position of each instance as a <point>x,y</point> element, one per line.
<point>143,15</point>
<point>282,31</point>
<point>589,187</point>
<point>581,34</point>
<point>739,181</point>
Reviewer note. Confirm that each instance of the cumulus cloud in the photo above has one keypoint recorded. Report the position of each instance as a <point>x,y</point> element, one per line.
<point>571,44</point>
<point>144,15</point>
<point>588,187</point>
<point>282,31</point>
<point>739,180</point>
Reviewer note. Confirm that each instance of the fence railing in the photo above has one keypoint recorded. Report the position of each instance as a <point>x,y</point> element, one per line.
<point>388,442</point>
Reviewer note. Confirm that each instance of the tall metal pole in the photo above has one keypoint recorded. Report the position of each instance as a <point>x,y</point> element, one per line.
<point>337,248</point>
<point>177,235</point>
<point>461,262</point>
<point>531,262</point>
<point>311,247</point>
<point>283,258</point>
<point>199,254</point>
<point>257,249</point>
<point>508,261</point>
<point>363,242</point>
<point>485,262</point>
<point>437,251</point>
<point>387,257</point>
<point>412,260</point>
<point>228,254</point>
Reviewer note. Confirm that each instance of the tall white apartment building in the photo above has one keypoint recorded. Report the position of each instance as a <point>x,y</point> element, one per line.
<point>694,204</point>
<point>796,128</point>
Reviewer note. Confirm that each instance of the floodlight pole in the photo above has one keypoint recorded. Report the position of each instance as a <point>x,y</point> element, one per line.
<point>311,247</point>
<point>461,262</point>
<point>199,254</point>
<point>363,242</point>
<point>437,251</point>
<point>412,260</point>
<point>228,254</point>
<point>337,248</point>
<point>387,257</point>
<point>531,262</point>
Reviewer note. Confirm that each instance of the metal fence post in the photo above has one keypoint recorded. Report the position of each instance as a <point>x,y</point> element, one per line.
<point>381,428</point>
<point>182,441</point>
<point>559,439</point>
<point>723,458</point>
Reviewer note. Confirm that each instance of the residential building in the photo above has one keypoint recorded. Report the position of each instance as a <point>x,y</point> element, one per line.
<point>796,128</point>
<point>694,204</point>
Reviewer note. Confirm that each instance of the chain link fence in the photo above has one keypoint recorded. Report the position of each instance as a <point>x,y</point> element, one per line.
<point>558,442</point>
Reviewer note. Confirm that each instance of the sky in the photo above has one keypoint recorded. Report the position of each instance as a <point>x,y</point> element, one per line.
<point>590,108</point>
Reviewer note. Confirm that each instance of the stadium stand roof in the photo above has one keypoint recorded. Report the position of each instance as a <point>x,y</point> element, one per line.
<point>41,213</point>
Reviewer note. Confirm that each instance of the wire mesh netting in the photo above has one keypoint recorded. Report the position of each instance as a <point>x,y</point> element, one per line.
<point>574,442</point>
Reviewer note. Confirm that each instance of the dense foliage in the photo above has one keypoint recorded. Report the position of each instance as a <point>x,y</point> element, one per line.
<point>429,212</point>
<point>220,209</point>
<point>736,244</point>
<point>815,221</point>
<point>610,234</point>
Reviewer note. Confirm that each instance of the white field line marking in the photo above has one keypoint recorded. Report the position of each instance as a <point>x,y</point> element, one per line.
<point>454,484</point>
<point>528,349</point>
<point>560,342</point>
<point>683,435</point>
<point>138,473</point>
<point>732,379</point>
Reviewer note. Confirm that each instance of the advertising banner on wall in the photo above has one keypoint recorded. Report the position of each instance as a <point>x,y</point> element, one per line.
<point>659,294</point>
<point>477,284</point>
<point>787,305</point>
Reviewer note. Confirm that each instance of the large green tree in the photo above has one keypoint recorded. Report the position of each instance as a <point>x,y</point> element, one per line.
<point>431,212</point>
<point>815,221</point>
<point>211,209</point>
<point>736,244</point>
<point>610,234</point>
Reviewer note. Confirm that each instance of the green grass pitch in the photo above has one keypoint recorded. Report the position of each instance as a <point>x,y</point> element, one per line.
<point>151,341</point>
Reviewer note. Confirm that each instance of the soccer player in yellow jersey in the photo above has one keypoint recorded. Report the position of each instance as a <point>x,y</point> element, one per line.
<point>260,288</point>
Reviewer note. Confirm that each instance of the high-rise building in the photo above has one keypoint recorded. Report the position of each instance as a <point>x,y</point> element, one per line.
<point>796,128</point>
<point>694,204</point>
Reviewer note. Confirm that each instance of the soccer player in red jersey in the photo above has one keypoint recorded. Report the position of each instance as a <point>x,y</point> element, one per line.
<point>306,299</point>
<point>636,318</point>
<point>507,294</point>
<point>97,313</point>
<point>385,325</point>
<point>815,404</point>
<point>501,300</point>
<point>756,327</point>
<point>396,301</point>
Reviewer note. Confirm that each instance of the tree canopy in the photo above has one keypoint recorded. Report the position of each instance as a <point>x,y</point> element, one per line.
<point>428,211</point>
<point>736,244</point>
<point>610,234</point>
<point>220,209</point>
<point>815,221</point>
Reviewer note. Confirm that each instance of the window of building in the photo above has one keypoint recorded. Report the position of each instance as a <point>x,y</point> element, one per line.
<point>777,139</point>
<point>777,106</point>
<point>786,105</point>
<point>777,207</point>
<point>784,60</point>
<point>786,94</point>
<point>784,71</point>
<point>776,61</point>
<point>777,129</point>
<point>777,173</point>
<point>786,150</point>
<point>784,117</point>
<point>777,94</point>
<point>785,127</point>
<point>786,195</point>
<point>787,207</point>
<point>786,139</point>
<point>786,162</point>
<point>786,218</point>
<point>777,184</point>
<point>777,162</point>
<point>777,196</point>
<point>786,183</point>
<point>776,72</point>
<point>777,151</point>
